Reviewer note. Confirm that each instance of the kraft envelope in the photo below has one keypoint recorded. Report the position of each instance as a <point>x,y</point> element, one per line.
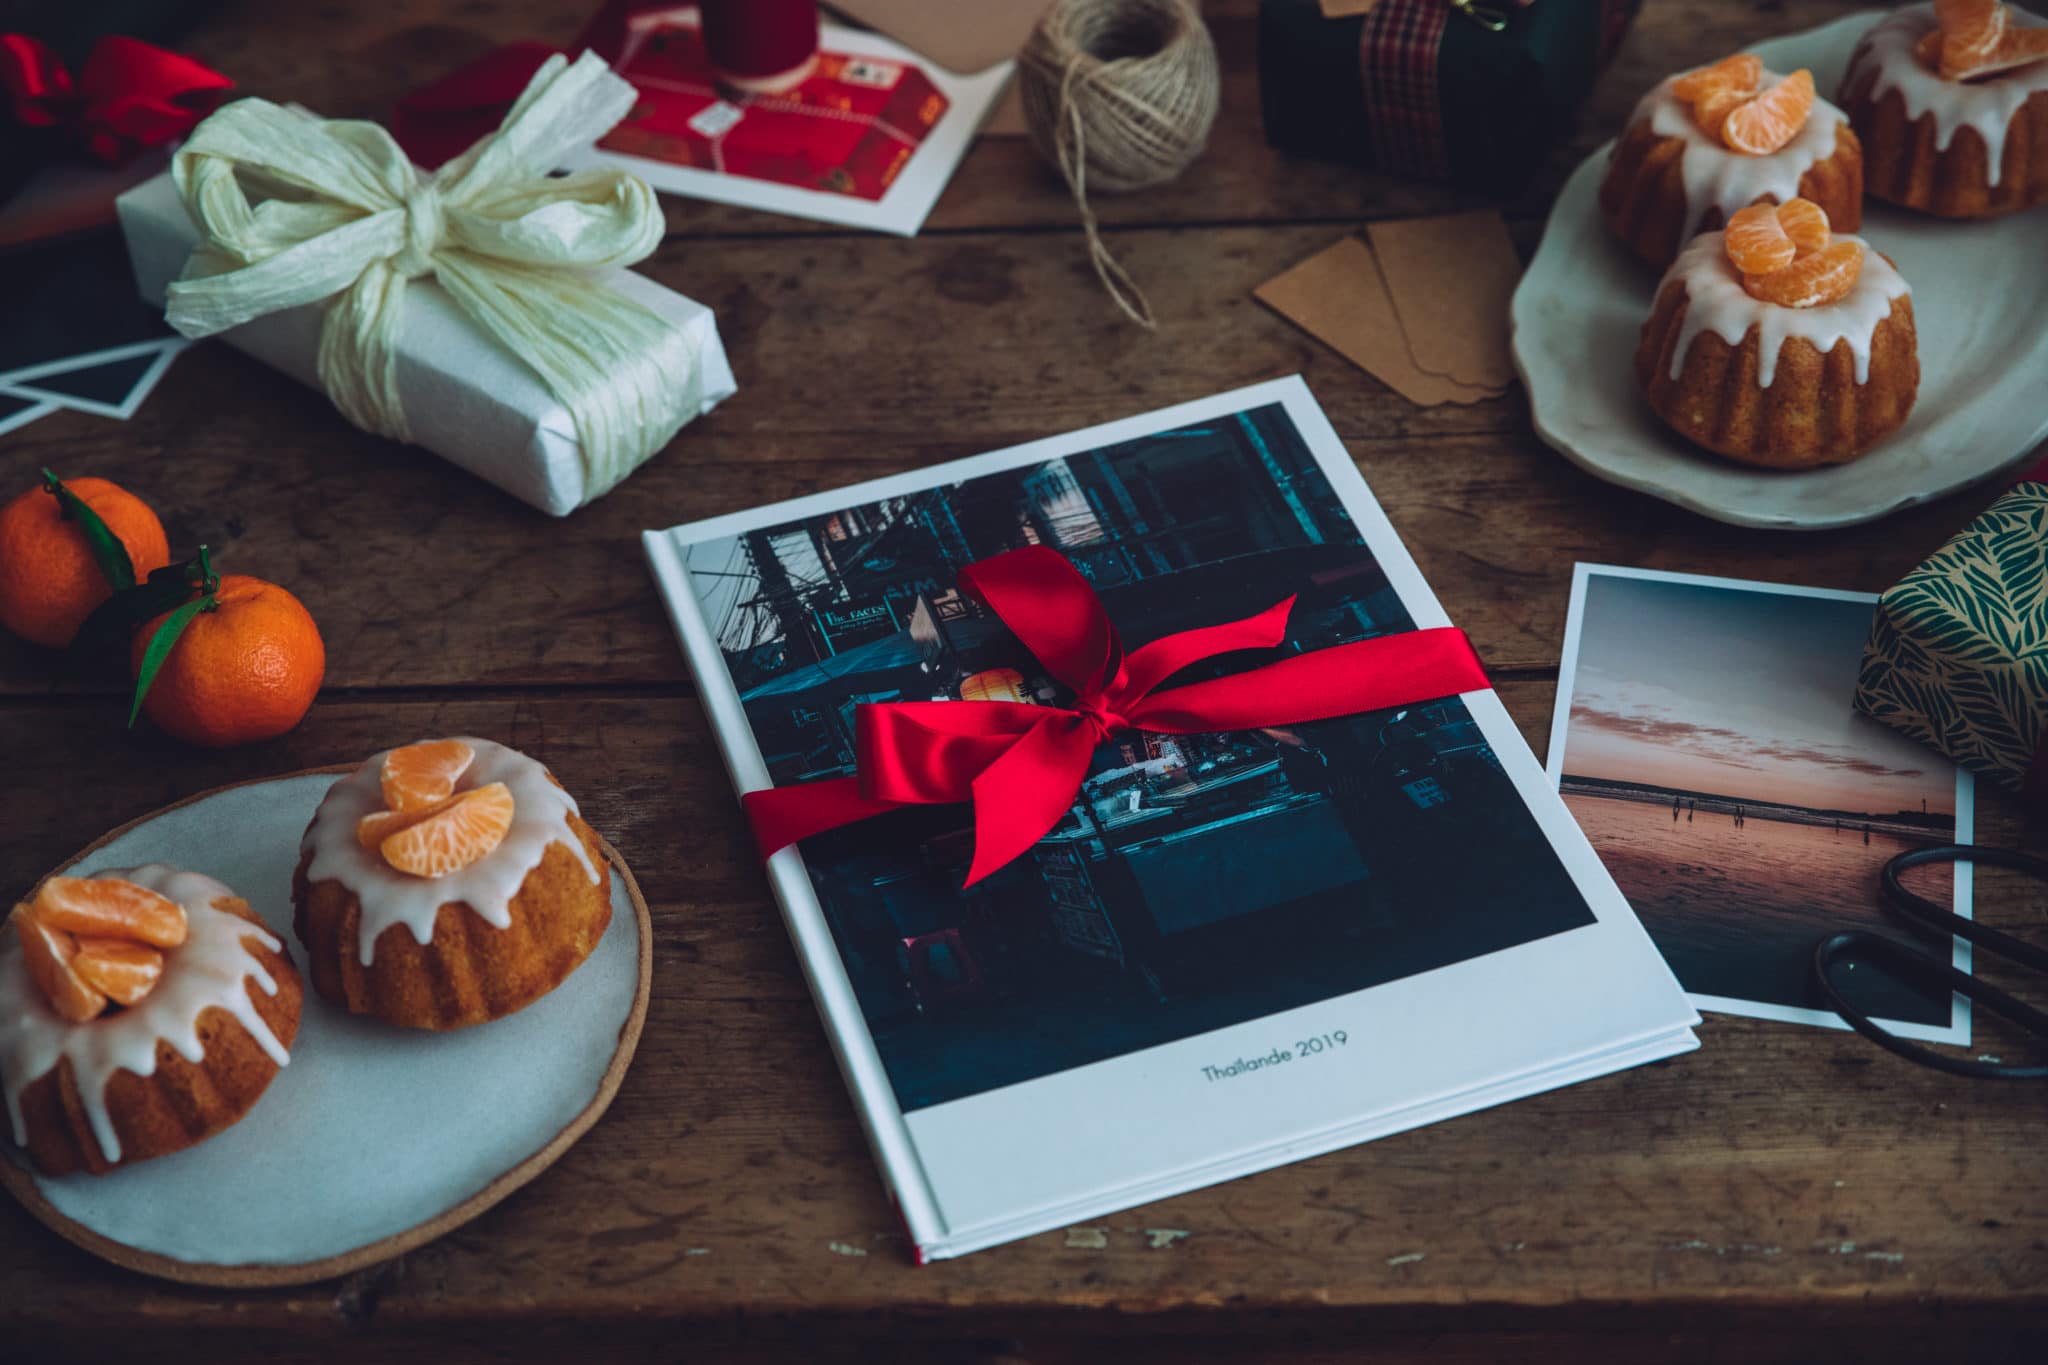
<point>1339,297</point>
<point>1452,280</point>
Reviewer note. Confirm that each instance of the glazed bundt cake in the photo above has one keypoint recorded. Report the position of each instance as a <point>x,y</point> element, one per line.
<point>1951,102</point>
<point>141,1012</point>
<point>1707,142</point>
<point>1777,343</point>
<point>448,883</point>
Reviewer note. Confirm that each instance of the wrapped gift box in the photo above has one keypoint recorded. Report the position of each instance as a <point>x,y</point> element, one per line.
<point>1427,89</point>
<point>1958,655</point>
<point>469,400</point>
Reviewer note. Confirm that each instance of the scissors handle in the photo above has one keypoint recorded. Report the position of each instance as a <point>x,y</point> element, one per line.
<point>1911,962</point>
<point>1943,921</point>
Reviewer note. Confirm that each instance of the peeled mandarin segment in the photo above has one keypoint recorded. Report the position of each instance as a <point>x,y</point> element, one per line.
<point>373,829</point>
<point>420,775</point>
<point>1739,73</point>
<point>48,954</point>
<point>1756,242</point>
<point>449,840</point>
<point>1806,223</point>
<point>1811,281</point>
<point>125,971</point>
<point>1712,112</point>
<point>106,907</point>
<point>1970,34</point>
<point>2019,47</point>
<point>1772,119</point>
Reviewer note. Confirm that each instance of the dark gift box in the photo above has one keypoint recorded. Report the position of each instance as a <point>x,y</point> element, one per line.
<point>1474,92</point>
<point>1958,654</point>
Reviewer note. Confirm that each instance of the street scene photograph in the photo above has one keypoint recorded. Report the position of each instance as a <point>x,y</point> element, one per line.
<point>1199,881</point>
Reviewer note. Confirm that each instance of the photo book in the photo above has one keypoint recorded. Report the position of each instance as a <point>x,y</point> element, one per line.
<point>1232,950</point>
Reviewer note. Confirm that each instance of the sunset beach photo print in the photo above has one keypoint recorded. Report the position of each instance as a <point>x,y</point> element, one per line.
<point>1705,741</point>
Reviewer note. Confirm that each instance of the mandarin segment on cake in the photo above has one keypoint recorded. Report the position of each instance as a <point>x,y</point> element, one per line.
<point>142,1011</point>
<point>1778,343</point>
<point>1951,102</point>
<point>448,883</point>
<point>1708,142</point>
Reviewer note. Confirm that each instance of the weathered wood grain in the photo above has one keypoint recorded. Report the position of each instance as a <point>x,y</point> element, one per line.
<point>860,357</point>
<point>1782,1195</point>
<point>1776,1171</point>
<point>344,61</point>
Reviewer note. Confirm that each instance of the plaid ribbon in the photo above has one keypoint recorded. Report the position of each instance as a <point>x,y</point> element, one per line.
<point>1399,50</point>
<point>1397,57</point>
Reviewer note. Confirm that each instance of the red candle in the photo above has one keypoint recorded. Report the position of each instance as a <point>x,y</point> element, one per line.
<point>761,44</point>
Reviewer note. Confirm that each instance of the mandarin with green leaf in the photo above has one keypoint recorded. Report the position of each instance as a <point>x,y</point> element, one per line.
<point>49,579</point>
<point>243,670</point>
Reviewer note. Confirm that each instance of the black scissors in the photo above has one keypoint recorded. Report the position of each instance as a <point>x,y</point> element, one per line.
<point>1911,963</point>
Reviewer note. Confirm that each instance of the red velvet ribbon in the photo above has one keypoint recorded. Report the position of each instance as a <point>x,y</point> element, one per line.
<point>128,97</point>
<point>1022,765</point>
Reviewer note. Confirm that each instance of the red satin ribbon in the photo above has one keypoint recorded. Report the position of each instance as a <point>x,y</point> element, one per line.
<point>129,96</point>
<point>1023,765</point>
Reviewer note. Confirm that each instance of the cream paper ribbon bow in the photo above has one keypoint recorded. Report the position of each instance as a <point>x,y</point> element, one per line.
<point>340,214</point>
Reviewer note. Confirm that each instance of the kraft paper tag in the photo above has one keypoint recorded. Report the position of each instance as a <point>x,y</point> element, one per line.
<point>1452,280</point>
<point>1339,297</point>
<point>1346,9</point>
<point>962,38</point>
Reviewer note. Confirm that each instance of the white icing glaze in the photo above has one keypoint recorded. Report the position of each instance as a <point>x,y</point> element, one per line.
<point>1987,105</point>
<point>1716,302</point>
<point>207,971</point>
<point>540,816</point>
<point>1717,177</point>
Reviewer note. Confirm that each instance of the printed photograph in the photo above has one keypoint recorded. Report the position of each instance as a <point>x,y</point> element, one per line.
<point>1199,881</point>
<point>1711,755</point>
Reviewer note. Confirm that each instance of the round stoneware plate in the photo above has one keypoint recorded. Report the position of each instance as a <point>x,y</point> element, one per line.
<point>375,1139</point>
<point>1980,301</point>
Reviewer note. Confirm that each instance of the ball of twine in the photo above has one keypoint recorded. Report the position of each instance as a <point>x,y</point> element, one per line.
<point>1120,95</point>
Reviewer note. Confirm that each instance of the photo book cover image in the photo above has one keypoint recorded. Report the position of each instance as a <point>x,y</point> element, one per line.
<point>1704,738</point>
<point>1235,949</point>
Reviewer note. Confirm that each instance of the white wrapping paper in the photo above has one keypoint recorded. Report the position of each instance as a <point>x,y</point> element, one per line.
<point>468,399</point>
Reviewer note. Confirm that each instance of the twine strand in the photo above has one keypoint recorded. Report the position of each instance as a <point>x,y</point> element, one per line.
<point>1123,92</point>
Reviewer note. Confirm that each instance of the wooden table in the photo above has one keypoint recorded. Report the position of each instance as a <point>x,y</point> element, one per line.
<point>1782,1195</point>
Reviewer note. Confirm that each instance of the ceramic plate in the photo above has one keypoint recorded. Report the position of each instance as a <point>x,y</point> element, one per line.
<point>375,1139</point>
<point>1980,301</point>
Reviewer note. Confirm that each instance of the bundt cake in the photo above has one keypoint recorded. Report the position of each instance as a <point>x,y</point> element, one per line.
<point>141,1012</point>
<point>1951,101</point>
<point>1776,343</point>
<point>446,884</point>
<point>1707,142</point>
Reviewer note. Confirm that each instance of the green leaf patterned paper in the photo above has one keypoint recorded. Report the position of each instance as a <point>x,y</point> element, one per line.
<point>1958,654</point>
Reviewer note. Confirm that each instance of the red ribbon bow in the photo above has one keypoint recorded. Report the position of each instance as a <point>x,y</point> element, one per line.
<point>1023,765</point>
<point>127,98</point>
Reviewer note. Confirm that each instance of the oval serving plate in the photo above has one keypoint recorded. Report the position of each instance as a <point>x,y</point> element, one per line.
<point>375,1139</point>
<point>1979,303</point>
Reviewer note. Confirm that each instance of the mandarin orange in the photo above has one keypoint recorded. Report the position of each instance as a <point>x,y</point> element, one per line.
<point>1812,281</point>
<point>107,907</point>
<point>452,838</point>
<point>245,671</point>
<point>421,775</point>
<point>49,582</point>
<point>1756,240</point>
<point>1771,119</point>
<point>49,956</point>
